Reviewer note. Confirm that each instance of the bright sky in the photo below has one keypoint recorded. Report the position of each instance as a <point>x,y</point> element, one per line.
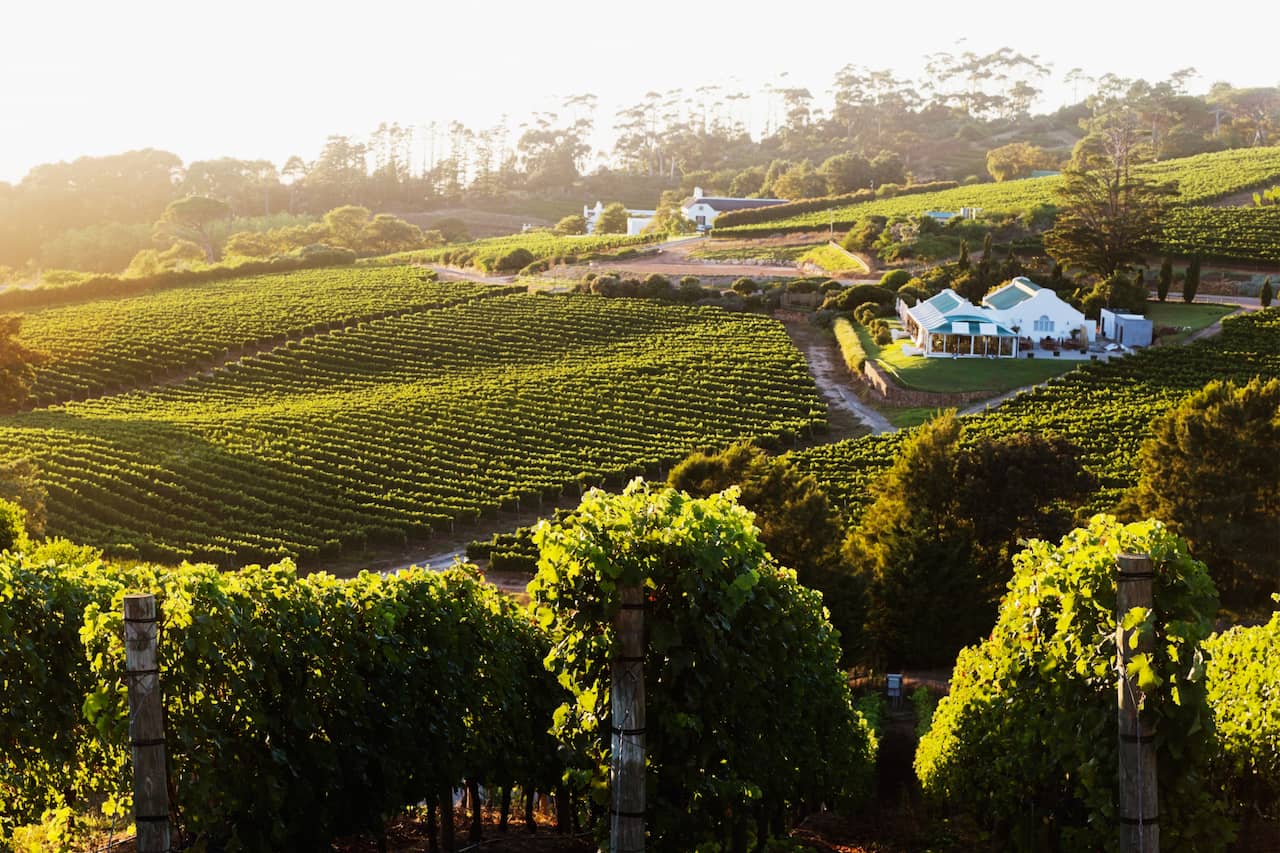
<point>271,78</point>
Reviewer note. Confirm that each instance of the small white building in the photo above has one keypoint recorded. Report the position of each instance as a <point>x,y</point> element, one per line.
<point>1132,330</point>
<point>1037,312</point>
<point>637,220</point>
<point>703,210</point>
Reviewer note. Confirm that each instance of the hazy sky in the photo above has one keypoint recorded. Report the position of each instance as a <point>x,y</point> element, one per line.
<point>267,79</point>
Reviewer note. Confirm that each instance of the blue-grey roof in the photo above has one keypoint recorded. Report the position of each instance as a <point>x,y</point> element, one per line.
<point>947,313</point>
<point>1016,291</point>
<point>723,205</point>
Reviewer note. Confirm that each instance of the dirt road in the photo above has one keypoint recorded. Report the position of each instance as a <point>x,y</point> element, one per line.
<point>832,379</point>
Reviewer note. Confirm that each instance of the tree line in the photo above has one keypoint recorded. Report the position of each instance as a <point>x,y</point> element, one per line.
<point>877,128</point>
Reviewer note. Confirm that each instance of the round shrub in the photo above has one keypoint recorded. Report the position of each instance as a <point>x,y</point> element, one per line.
<point>1026,741</point>
<point>894,279</point>
<point>866,312</point>
<point>514,260</point>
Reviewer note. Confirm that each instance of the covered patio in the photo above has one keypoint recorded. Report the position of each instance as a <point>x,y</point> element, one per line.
<point>972,338</point>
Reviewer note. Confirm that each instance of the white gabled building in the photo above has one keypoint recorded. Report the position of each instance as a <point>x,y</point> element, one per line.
<point>949,324</point>
<point>1009,317</point>
<point>1037,312</point>
<point>703,210</point>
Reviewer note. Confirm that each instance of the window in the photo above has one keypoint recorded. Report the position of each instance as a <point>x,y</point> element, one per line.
<point>1044,324</point>
<point>702,220</point>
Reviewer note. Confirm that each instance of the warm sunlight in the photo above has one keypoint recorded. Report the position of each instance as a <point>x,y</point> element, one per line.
<point>547,427</point>
<point>269,80</point>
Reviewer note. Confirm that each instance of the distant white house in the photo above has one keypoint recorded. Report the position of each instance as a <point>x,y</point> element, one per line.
<point>1036,312</point>
<point>703,210</point>
<point>636,219</point>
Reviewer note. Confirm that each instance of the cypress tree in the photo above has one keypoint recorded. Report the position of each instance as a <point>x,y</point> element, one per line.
<point>1166,279</point>
<point>1265,296</point>
<point>1192,284</point>
<point>962,262</point>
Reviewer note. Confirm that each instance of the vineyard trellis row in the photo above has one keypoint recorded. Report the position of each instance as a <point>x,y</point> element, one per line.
<point>124,342</point>
<point>401,427</point>
<point>1201,179</point>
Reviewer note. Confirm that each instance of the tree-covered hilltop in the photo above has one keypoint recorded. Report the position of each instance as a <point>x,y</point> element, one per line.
<point>966,118</point>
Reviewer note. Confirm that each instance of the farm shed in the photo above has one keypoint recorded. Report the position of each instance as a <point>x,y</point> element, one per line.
<point>1132,330</point>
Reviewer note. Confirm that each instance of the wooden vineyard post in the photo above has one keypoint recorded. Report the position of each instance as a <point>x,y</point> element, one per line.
<point>1139,813</point>
<point>146,725</point>
<point>626,757</point>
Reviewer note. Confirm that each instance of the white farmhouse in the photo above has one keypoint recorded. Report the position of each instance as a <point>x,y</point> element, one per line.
<point>1016,317</point>
<point>703,210</point>
<point>1036,312</point>
<point>949,324</point>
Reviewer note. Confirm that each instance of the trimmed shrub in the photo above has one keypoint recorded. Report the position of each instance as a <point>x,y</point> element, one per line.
<point>894,279</point>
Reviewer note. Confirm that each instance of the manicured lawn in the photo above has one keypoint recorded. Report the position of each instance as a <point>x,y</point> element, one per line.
<point>909,417</point>
<point>1180,315</point>
<point>996,375</point>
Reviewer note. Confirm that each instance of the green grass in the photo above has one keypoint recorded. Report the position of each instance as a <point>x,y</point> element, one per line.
<point>1190,318</point>
<point>832,260</point>
<point>910,416</point>
<point>946,375</point>
<point>781,254</point>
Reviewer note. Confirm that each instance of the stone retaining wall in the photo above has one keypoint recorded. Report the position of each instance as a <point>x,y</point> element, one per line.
<point>891,393</point>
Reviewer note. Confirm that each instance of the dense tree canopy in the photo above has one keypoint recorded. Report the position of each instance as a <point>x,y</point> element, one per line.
<point>612,220</point>
<point>1211,470</point>
<point>1109,215</point>
<point>192,219</point>
<point>1018,160</point>
<point>942,527</point>
<point>797,522</point>
<point>17,365</point>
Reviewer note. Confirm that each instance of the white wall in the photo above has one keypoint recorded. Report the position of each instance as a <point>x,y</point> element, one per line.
<point>1026,315</point>
<point>704,210</point>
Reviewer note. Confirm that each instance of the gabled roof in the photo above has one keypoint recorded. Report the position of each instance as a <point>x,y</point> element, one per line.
<point>932,312</point>
<point>1019,290</point>
<point>948,313</point>
<point>722,205</point>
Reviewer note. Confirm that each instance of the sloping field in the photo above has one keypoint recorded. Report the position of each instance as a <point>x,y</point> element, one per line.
<point>120,343</point>
<point>397,427</point>
<point>1201,179</point>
